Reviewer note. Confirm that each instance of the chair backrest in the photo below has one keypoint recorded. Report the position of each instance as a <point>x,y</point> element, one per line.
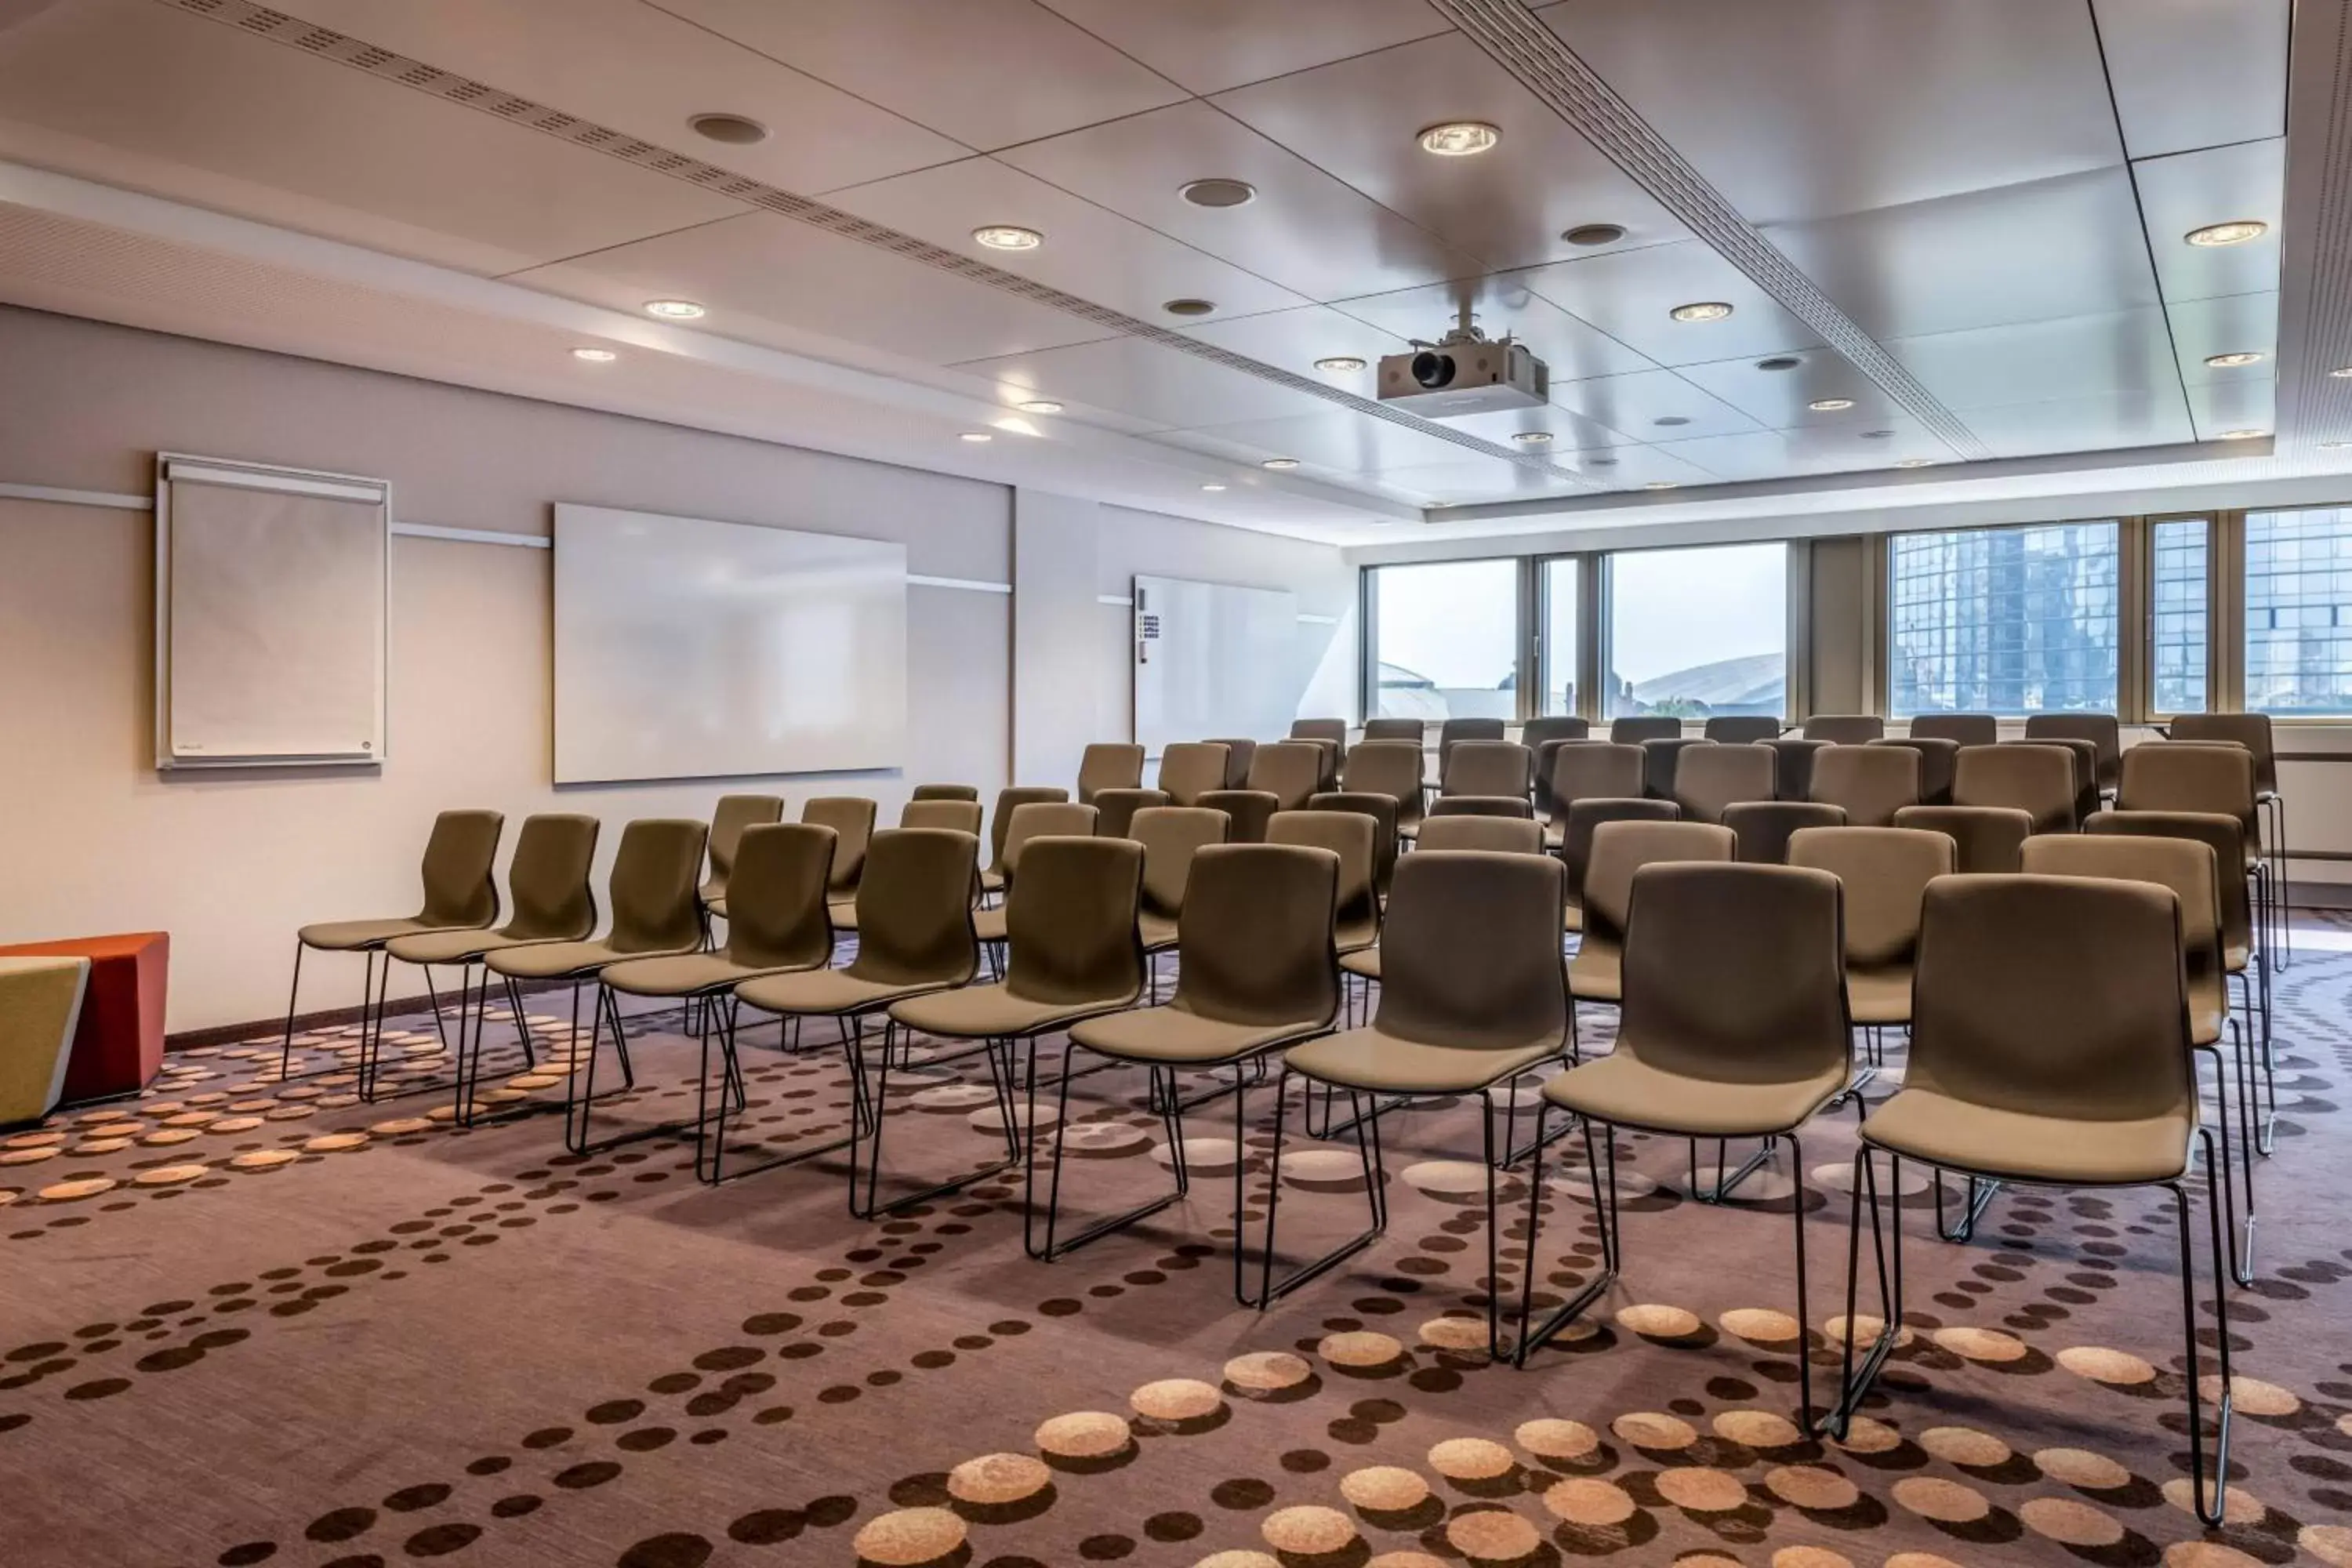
<point>913,908</point>
<point>1070,921</point>
<point>2036,779</point>
<point>1987,838</point>
<point>2188,776</point>
<point>1108,765</point>
<point>553,899</point>
<point>1239,751</point>
<point>657,871</point>
<point>1170,837</point>
<point>1487,767</point>
<point>2251,730</point>
<point>1382,811</point>
<point>1584,819</point>
<point>1413,730</point>
<point>1536,732</point>
<point>946,792</point>
<point>1352,836</point>
<point>1764,828</point>
<point>1009,801</point>
<point>957,815</point>
<point>1734,973</point>
<point>777,916</point>
<point>2184,865</point>
<point>1246,812</point>
<point>1470,956</point>
<point>1037,819</point>
<point>1886,871</point>
<point>1256,943</point>
<point>1938,760</point>
<point>2100,729</point>
<point>734,814</point>
<point>1872,782</point>
<point>1962,729</point>
<point>1710,777</point>
<point>1392,768</point>
<point>2060,997</point>
<point>1844,728</point>
<point>1741,728</point>
<point>460,868</point>
<point>1482,805</point>
<point>1115,809</point>
<point>1455,732</point>
<point>1793,779</point>
<point>1332,729</point>
<point>2226,837</point>
<point>1290,771</point>
<point>852,817</point>
<point>1487,835</point>
<point>1595,770</point>
<point>1623,846</point>
<point>1191,769</point>
<point>1636,727</point>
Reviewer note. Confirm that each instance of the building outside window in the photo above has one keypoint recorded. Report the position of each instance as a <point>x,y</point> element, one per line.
<point>1697,632</point>
<point>2180,552</point>
<point>2004,620</point>
<point>2299,611</point>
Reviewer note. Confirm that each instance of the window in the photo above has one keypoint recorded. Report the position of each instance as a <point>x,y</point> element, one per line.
<point>2299,611</point>
<point>1696,632</point>
<point>2180,577</point>
<point>1445,640</point>
<point>1560,607</point>
<point>2004,620</point>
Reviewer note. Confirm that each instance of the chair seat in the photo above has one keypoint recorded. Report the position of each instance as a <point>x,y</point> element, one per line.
<point>991,881</point>
<point>1924,1124</point>
<point>1597,972</point>
<point>2234,958</point>
<point>1355,939</point>
<point>357,936</point>
<point>454,946</point>
<point>684,974</point>
<point>712,891</point>
<point>1620,1088</point>
<point>843,914</point>
<point>1176,1035</point>
<point>560,960</point>
<point>1555,833</point>
<point>988,925</point>
<point>828,992</point>
<point>1368,1058</point>
<point>1364,962</point>
<point>717,906</point>
<point>1880,996</point>
<point>1158,932</point>
<point>991,1011</point>
<point>1571,919</point>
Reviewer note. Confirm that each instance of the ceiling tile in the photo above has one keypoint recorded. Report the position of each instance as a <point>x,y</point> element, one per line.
<point>2218,185</point>
<point>1783,454</point>
<point>1167,387</point>
<point>2232,323</point>
<point>1211,45</point>
<point>1501,304</point>
<point>1632,295</point>
<point>2195,73</point>
<point>770,280</point>
<point>186,107</point>
<point>2040,361</point>
<point>1569,432</point>
<point>2219,407</point>
<point>2069,247</point>
<point>1468,483</point>
<point>1805,108</point>
<point>1361,120</point>
<point>641,70</point>
<point>1779,398</point>
<point>1633,404</point>
<point>1305,230</point>
<point>987,72</point>
<point>2107,422</point>
<point>1295,339</point>
<point>1341,441</point>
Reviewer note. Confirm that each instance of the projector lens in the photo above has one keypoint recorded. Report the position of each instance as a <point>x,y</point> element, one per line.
<point>1432,370</point>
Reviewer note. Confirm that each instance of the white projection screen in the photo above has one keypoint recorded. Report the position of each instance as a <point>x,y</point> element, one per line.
<point>1212,660</point>
<point>686,648</point>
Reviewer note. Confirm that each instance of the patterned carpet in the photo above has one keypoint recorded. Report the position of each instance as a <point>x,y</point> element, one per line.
<point>249,1320</point>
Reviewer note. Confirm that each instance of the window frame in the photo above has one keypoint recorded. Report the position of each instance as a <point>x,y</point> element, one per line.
<point>1599,613</point>
<point>1584,574</point>
<point>1368,617</point>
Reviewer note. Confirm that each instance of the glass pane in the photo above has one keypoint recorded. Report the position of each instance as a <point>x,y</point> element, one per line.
<point>2004,620</point>
<point>1696,632</point>
<point>2177,629</point>
<point>2299,611</point>
<point>1558,637</point>
<point>1445,640</point>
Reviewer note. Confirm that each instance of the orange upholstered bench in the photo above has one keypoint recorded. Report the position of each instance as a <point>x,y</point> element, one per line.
<point>117,1047</point>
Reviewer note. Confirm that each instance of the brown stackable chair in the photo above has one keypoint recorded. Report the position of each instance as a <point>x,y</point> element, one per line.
<point>1480,806</point>
<point>852,818</point>
<point>1032,819</point>
<point>1290,771</point>
<point>1710,777</point>
<point>2251,730</point>
<point>1764,828</point>
<point>1886,871</point>
<point>1115,809</point>
<point>1353,837</point>
<point>1413,730</point>
<point>1246,812</point>
<point>1008,800</point>
<point>1455,732</point>
<point>1938,759</point>
<point>1108,764</point>
<point>1634,729</point>
<point>1170,837</point>
<point>734,814</point>
<point>1960,729</point>
<point>1392,768</point>
<point>2101,730</point>
<point>1872,783</point>
<point>1741,728</point>
<point>1620,849</point>
<point>958,816</point>
<point>941,792</point>
<point>2035,779</point>
<point>1239,751</point>
<point>1591,770</point>
<point>1989,838</point>
<point>1191,769</point>
<point>1844,728</point>
<point>1493,768</point>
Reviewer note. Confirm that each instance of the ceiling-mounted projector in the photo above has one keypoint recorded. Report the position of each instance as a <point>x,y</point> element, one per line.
<point>1465,372</point>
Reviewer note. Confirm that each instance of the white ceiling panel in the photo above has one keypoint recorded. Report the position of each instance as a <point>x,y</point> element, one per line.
<point>641,70</point>
<point>1295,339</point>
<point>1630,467</point>
<point>1780,399</point>
<point>770,280</point>
<point>1470,483</point>
<point>2217,408</point>
<point>987,72</point>
<point>1361,119</point>
<point>1838,449</point>
<point>2110,420</point>
<point>1501,304</point>
<point>1211,45</point>
<point>2195,73</point>
<point>2230,324</point>
<point>314,141</point>
<point>1341,441</point>
<point>1806,109</point>
<point>1634,405</point>
<point>1166,387</point>
<point>2221,185</point>
<point>1569,432</point>
<point>1305,229</point>
<point>2041,361</point>
<point>1632,295</point>
<point>2067,247</point>
<point>1089,251</point>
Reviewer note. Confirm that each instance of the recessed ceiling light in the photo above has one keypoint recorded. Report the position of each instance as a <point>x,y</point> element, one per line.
<point>1533,438</point>
<point>1669,421</point>
<point>2242,435</point>
<point>1916,463</point>
<point>1279,463</point>
<point>1662,485</point>
<point>1594,234</point>
<point>1830,405</point>
<point>1600,462</point>
<point>1339,365</point>
<point>1878,435</point>
<point>1007,236</point>
<point>675,310</point>
<point>975,437</point>
<point>595,356</point>
<point>2334,445</point>
<point>1041,406</point>
<point>2231,362</point>
<point>1213,489</point>
<point>734,130</point>
<point>1701,310</point>
<point>2343,374</point>
<point>1779,362</point>
<point>1189,307</point>
<point>1219,193</point>
<point>1460,138</point>
<point>2235,232</point>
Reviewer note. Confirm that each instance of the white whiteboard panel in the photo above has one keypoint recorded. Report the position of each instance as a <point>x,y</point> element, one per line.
<point>1212,660</point>
<point>686,648</point>
<point>270,589</point>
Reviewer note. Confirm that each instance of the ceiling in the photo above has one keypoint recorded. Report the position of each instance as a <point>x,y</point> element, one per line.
<point>1954,228</point>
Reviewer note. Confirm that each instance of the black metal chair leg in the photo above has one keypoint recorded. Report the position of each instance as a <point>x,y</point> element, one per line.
<point>2209,1512</point>
<point>1172,1120</point>
<point>1804,1295</point>
<point>285,1050</point>
<point>1980,1195</point>
<point>1724,1185</point>
<point>1368,1148</point>
<point>1854,1386</point>
<point>1605,1213</point>
<point>870,1146</point>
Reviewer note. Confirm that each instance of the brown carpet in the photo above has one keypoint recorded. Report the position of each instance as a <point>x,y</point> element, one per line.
<point>249,1321</point>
